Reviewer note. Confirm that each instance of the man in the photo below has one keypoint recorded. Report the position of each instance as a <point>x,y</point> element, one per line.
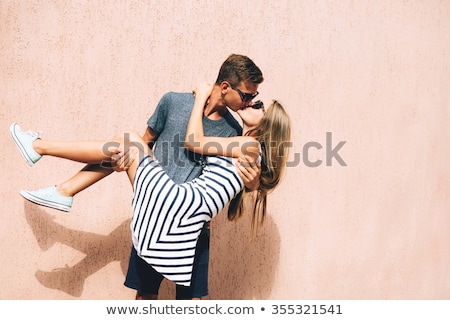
<point>235,87</point>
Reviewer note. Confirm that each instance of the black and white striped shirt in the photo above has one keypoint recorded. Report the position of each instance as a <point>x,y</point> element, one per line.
<point>168,217</point>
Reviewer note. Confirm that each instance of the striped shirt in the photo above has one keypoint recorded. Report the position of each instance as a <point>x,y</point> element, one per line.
<point>168,217</point>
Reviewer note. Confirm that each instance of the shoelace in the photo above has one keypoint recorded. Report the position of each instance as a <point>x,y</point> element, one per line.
<point>37,134</point>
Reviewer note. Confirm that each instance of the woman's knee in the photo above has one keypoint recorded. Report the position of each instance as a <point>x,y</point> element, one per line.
<point>131,139</point>
<point>128,137</point>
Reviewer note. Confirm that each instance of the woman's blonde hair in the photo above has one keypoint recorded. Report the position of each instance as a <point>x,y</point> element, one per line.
<point>274,134</point>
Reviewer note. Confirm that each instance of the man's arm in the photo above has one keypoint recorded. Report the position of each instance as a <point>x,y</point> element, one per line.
<point>249,171</point>
<point>150,137</point>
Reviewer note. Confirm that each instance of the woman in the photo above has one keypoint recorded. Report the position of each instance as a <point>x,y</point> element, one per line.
<point>168,217</point>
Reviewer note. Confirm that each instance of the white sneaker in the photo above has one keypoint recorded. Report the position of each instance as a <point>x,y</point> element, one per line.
<point>48,197</point>
<point>24,141</point>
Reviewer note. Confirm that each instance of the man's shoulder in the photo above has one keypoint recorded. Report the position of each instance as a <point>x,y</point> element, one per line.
<point>176,102</point>
<point>183,96</point>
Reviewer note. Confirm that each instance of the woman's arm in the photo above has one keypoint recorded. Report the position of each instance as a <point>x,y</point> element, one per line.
<point>197,142</point>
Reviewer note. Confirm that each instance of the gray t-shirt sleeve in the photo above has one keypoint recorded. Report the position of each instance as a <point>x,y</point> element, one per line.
<point>158,119</point>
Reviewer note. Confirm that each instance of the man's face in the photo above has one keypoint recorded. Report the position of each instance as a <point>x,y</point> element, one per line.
<point>242,95</point>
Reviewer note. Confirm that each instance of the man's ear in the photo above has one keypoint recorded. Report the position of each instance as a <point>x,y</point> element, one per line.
<point>224,87</point>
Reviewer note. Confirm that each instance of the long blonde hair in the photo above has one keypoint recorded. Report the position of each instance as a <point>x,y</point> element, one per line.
<point>274,134</point>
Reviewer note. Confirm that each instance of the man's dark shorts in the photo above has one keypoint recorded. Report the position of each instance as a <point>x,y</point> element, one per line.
<point>142,277</point>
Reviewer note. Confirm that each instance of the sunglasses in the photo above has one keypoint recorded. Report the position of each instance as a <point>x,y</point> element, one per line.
<point>257,105</point>
<point>246,97</point>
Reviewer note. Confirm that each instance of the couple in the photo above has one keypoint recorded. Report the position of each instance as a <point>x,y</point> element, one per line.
<point>168,217</point>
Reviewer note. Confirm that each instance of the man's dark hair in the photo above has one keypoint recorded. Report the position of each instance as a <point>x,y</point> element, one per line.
<point>238,68</point>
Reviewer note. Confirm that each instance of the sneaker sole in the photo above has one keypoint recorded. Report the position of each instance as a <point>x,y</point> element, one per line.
<point>43,202</point>
<point>19,145</point>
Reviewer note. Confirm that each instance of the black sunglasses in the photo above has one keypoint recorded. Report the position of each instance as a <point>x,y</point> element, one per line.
<point>257,105</point>
<point>246,97</point>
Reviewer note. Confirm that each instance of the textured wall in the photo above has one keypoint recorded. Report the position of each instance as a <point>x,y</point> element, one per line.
<point>375,74</point>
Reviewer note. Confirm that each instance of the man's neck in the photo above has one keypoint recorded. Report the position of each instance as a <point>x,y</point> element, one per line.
<point>214,113</point>
<point>214,108</point>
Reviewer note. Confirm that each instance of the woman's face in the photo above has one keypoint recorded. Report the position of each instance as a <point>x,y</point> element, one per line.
<point>252,114</point>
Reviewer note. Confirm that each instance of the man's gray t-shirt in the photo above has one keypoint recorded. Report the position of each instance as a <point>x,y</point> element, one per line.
<point>169,122</point>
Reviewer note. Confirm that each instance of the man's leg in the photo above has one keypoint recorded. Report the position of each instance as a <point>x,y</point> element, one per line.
<point>199,283</point>
<point>142,278</point>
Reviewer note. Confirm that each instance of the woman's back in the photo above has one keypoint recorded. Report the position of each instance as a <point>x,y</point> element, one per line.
<point>220,183</point>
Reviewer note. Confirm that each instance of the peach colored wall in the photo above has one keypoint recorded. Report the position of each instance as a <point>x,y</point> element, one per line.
<point>375,74</point>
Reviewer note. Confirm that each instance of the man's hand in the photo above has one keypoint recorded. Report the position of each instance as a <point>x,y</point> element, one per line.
<point>249,171</point>
<point>121,161</point>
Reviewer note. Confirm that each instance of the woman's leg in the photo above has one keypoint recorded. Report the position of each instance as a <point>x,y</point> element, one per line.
<point>98,155</point>
<point>60,196</point>
<point>92,173</point>
<point>93,153</point>
<point>139,149</point>
<point>83,179</point>
<point>86,151</point>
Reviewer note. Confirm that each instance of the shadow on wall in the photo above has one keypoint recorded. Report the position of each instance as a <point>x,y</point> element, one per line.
<point>242,268</point>
<point>99,250</point>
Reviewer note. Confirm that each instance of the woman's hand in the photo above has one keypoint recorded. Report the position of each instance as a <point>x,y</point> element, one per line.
<point>203,90</point>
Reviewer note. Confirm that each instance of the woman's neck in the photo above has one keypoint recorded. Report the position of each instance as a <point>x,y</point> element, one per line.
<point>246,129</point>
